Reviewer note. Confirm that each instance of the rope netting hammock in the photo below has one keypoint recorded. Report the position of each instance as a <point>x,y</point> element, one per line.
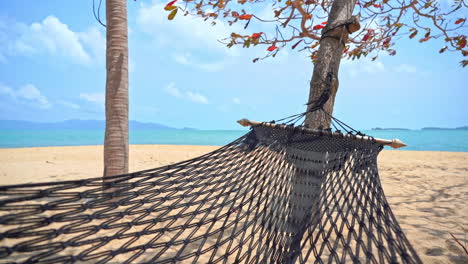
<point>279,194</point>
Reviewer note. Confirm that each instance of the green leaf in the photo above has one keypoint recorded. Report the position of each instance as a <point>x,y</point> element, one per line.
<point>170,8</point>
<point>247,43</point>
<point>428,4</point>
<point>172,14</point>
<point>413,34</point>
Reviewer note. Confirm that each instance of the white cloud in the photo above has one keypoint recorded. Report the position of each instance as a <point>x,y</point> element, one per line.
<point>182,58</point>
<point>68,104</point>
<point>95,42</point>
<point>55,37</point>
<point>27,93</point>
<point>236,100</point>
<point>6,90</point>
<point>19,47</point>
<point>267,13</point>
<point>356,67</point>
<point>172,90</point>
<point>374,67</point>
<point>197,41</point>
<point>406,68</point>
<point>185,59</point>
<point>52,37</point>
<point>196,97</point>
<point>187,95</point>
<point>97,98</point>
<point>184,32</point>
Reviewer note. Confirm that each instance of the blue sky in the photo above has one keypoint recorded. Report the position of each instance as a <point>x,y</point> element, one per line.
<point>52,68</point>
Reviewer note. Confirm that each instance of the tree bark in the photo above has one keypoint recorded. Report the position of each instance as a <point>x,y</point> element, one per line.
<point>329,57</point>
<point>306,183</point>
<point>116,134</point>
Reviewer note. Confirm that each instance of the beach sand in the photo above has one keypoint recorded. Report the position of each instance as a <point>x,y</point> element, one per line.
<point>427,191</point>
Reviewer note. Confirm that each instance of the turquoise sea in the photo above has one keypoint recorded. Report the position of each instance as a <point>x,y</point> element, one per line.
<point>434,140</point>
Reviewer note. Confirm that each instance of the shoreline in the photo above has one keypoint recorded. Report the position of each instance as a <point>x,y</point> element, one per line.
<point>211,146</point>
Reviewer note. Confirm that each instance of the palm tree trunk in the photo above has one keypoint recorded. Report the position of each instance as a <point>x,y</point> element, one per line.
<point>116,135</point>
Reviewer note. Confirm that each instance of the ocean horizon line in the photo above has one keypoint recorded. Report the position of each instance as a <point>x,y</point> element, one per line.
<point>87,124</point>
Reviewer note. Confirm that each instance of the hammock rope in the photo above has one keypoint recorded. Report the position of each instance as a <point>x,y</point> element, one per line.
<point>276,195</point>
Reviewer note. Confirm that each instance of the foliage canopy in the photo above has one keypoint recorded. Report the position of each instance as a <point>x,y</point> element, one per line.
<point>301,24</point>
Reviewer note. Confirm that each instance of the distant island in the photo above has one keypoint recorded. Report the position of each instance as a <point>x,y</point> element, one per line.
<point>397,128</point>
<point>444,128</point>
<point>424,128</point>
<point>79,125</point>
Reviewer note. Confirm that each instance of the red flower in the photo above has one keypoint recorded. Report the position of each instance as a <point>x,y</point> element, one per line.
<point>245,17</point>
<point>460,20</point>
<point>316,27</point>
<point>368,35</point>
<point>461,43</point>
<point>377,6</point>
<point>171,3</point>
<point>324,23</point>
<point>387,41</point>
<point>272,48</point>
<point>256,35</point>
<point>424,39</point>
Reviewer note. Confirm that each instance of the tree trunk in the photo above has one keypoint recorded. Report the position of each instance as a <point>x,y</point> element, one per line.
<point>328,59</point>
<point>306,184</point>
<point>116,135</point>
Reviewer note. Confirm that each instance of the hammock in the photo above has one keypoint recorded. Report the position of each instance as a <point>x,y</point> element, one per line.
<point>279,194</point>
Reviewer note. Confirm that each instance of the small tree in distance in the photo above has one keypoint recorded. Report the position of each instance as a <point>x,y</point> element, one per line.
<point>323,29</point>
